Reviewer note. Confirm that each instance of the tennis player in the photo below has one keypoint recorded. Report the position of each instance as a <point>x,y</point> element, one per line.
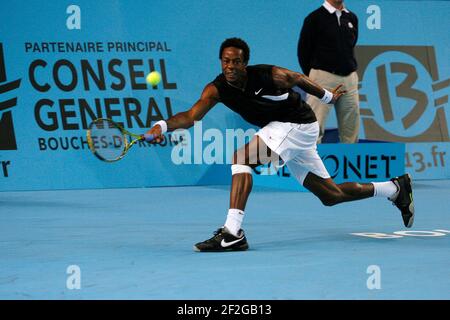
<point>264,96</point>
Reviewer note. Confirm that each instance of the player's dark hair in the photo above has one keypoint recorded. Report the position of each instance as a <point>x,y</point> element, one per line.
<point>236,43</point>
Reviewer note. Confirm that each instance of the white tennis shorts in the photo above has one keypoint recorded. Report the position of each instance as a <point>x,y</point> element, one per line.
<point>296,145</point>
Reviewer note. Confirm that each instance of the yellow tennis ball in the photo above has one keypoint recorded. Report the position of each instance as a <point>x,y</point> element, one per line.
<point>153,78</point>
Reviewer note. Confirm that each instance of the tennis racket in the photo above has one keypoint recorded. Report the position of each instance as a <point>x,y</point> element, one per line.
<point>109,142</point>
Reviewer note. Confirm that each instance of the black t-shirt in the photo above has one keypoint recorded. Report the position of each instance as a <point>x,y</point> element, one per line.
<point>261,102</point>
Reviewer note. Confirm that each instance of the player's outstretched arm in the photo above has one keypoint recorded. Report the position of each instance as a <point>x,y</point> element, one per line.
<point>284,78</point>
<point>186,119</point>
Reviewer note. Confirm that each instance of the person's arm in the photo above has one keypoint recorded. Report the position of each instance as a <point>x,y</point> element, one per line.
<point>186,119</point>
<point>305,45</point>
<point>284,78</point>
<point>357,30</point>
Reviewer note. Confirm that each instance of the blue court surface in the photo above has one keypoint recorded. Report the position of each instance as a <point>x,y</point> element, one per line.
<point>137,244</point>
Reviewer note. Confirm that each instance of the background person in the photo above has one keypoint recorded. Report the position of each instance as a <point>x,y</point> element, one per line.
<point>326,54</point>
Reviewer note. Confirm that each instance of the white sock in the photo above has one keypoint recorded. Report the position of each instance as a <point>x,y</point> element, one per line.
<point>384,189</point>
<point>234,221</point>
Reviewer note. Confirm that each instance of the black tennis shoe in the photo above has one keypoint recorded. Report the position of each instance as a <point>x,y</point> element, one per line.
<point>403,198</point>
<point>223,240</point>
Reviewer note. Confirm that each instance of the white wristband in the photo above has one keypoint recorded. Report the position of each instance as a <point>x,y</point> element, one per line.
<point>163,126</point>
<point>327,97</point>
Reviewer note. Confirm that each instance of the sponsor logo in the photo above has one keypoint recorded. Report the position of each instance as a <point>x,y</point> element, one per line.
<point>228,244</point>
<point>353,162</point>
<point>361,166</point>
<point>402,97</point>
<point>7,134</point>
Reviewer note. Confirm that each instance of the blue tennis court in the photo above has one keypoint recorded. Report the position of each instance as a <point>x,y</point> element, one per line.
<point>129,244</point>
<point>210,77</point>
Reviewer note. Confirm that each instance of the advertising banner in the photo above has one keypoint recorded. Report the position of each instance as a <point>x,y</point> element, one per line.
<point>64,64</point>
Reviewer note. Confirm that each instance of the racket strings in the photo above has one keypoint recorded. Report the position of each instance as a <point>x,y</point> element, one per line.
<point>107,140</point>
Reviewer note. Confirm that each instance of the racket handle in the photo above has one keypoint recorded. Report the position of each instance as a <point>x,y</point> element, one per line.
<point>148,137</point>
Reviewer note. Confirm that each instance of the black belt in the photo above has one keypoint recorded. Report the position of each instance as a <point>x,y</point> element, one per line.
<point>339,73</point>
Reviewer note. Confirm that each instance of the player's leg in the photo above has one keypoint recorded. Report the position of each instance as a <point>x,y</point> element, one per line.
<point>347,111</point>
<point>398,190</point>
<point>231,237</point>
<point>245,159</point>
<point>331,193</point>
<point>309,170</point>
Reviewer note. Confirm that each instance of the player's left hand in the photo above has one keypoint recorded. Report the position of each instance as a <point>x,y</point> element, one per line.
<point>337,93</point>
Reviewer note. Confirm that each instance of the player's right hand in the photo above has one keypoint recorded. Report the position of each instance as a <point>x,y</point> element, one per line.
<point>157,133</point>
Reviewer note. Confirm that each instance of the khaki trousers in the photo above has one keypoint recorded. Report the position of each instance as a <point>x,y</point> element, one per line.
<point>347,107</point>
